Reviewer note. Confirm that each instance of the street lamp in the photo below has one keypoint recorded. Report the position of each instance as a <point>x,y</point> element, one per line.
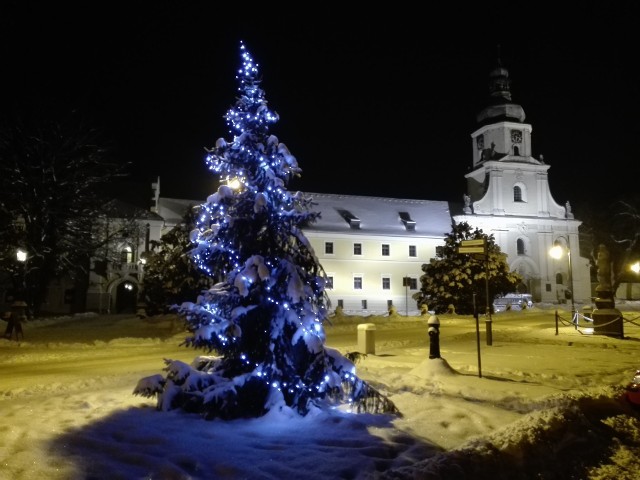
<point>635,268</point>
<point>556,252</point>
<point>21,256</point>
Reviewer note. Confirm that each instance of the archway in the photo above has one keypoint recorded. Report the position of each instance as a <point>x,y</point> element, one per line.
<point>530,276</point>
<point>126,297</point>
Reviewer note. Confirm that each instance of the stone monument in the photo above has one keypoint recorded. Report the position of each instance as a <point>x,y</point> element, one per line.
<point>467,204</point>
<point>607,319</point>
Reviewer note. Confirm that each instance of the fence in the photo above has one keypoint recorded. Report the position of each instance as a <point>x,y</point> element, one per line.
<point>587,326</point>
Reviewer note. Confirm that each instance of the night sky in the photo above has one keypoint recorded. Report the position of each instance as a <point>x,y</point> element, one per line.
<point>370,103</point>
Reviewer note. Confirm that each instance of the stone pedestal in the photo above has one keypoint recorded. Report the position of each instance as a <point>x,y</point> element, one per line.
<point>607,320</point>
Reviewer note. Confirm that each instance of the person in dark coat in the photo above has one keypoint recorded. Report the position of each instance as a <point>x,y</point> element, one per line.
<point>17,315</point>
<point>8,332</point>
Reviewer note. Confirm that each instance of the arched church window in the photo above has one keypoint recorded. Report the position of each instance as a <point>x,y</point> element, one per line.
<point>559,279</point>
<point>126,255</point>
<point>520,247</point>
<point>517,194</point>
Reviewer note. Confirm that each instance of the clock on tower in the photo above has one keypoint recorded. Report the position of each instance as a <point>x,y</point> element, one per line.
<point>516,136</point>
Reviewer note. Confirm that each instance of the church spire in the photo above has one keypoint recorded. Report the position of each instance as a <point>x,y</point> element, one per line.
<point>499,82</point>
<point>500,105</point>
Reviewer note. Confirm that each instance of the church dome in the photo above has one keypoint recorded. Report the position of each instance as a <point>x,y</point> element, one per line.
<point>500,105</point>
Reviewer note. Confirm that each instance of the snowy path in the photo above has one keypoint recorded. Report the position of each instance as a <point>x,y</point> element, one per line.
<point>69,414</point>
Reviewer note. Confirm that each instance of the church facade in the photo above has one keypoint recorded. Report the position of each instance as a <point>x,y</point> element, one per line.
<point>508,196</point>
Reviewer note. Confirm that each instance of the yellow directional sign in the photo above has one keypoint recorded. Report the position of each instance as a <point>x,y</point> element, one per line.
<point>470,249</point>
<point>473,246</point>
<point>473,243</point>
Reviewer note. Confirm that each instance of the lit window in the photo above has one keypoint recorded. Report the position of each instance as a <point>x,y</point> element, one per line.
<point>126,255</point>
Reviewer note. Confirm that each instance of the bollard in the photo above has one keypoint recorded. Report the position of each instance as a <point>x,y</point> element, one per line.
<point>366,338</point>
<point>434,336</point>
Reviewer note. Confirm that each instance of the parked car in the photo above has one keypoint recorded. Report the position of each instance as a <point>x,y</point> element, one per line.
<point>512,301</point>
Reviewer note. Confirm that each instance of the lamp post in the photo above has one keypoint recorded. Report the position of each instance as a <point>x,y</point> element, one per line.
<point>141,305</point>
<point>21,295</point>
<point>556,252</point>
<point>21,256</point>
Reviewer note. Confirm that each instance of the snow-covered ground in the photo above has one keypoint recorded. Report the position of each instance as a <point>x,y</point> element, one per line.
<point>531,405</point>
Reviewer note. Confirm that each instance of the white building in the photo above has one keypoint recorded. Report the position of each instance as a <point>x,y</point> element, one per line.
<point>371,248</point>
<point>115,285</point>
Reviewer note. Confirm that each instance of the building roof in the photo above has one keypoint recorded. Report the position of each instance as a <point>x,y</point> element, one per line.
<point>380,215</point>
<point>120,209</point>
<point>172,210</point>
<point>355,215</point>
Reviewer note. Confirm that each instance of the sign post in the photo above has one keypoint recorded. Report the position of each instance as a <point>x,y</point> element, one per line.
<point>406,281</point>
<point>478,248</point>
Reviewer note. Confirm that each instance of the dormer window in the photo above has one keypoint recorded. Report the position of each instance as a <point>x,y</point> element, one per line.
<point>409,224</point>
<point>352,220</point>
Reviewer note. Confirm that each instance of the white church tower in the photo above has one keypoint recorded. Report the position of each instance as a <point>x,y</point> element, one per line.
<point>508,196</point>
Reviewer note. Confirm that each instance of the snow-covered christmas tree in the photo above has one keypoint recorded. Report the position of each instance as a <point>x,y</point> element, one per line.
<point>264,319</point>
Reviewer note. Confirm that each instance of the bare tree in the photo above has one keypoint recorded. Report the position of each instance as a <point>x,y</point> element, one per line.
<point>54,175</point>
<point>625,234</point>
<point>618,228</point>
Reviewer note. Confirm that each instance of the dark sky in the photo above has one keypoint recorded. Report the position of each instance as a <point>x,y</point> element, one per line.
<point>373,102</point>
